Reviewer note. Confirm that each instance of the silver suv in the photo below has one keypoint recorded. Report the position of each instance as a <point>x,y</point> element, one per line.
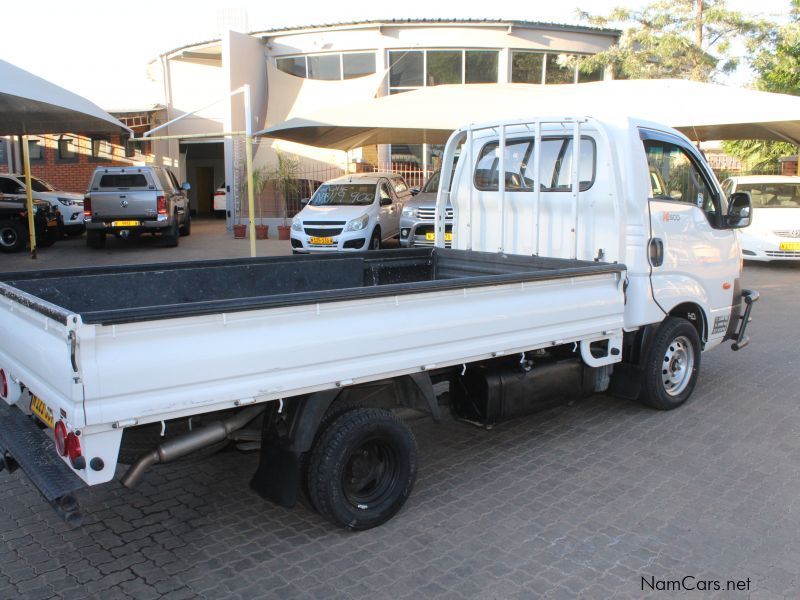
<point>128,201</point>
<point>417,220</point>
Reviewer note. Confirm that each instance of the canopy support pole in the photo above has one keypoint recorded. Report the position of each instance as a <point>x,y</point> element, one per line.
<point>29,194</point>
<point>248,153</point>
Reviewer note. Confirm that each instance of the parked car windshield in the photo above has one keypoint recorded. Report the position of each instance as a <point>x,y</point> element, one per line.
<point>41,186</point>
<point>772,195</point>
<point>344,194</point>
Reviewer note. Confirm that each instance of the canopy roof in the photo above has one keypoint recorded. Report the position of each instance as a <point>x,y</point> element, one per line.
<point>32,105</point>
<point>702,111</point>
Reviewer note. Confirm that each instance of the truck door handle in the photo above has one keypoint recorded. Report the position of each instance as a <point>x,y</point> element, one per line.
<point>656,252</point>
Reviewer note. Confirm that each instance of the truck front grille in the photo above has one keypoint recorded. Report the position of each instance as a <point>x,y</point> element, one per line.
<point>320,232</point>
<point>429,214</point>
<point>783,253</point>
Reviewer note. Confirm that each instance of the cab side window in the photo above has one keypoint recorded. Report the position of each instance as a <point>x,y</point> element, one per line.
<point>674,176</point>
<point>385,193</point>
<point>8,186</point>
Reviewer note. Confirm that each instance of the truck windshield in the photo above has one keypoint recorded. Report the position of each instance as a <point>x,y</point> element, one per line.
<point>772,195</point>
<point>344,194</point>
<point>37,185</point>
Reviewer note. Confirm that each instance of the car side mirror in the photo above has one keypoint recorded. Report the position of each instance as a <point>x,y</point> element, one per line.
<point>414,191</point>
<point>186,186</point>
<point>740,209</point>
<point>304,201</point>
<point>386,201</point>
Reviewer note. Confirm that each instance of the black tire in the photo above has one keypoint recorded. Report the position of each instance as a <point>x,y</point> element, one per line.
<point>363,468</point>
<point>95,239</point>
<point>169,237</point>
<point>13,236</point>
<point>50,236</point>
<point>186,228</point>
<point>671,366</point>
<point>74,230</point>
<point>375,240</point>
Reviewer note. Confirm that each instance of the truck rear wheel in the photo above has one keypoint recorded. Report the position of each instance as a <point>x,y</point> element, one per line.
<point>672,365</point>
<point>363,468</point>
<point>13,236</point>
<point>95,239</point>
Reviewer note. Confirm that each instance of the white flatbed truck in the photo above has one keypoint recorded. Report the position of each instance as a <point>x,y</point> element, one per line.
<point>565,278</point>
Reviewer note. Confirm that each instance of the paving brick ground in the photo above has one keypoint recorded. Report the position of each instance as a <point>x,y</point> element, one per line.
<point>579,501</point>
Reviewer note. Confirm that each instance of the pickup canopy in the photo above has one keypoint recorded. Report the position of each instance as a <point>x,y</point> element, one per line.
<point>124,294</point>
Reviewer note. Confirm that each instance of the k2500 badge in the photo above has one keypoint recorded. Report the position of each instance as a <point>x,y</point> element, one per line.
<point>668,216</point>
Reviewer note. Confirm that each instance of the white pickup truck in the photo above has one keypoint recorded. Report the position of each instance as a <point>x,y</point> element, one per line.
<point>588,255</point>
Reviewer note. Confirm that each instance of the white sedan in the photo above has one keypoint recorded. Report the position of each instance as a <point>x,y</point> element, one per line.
<point>774,232</point>
<point>70,204</point>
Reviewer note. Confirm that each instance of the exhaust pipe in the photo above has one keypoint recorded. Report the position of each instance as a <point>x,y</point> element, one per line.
<point>188,443</point>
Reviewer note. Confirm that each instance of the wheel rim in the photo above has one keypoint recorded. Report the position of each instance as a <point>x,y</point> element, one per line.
<point>370,474</point>
<point>376,243</point>
<point>678,365</point>
<point>8,237</point>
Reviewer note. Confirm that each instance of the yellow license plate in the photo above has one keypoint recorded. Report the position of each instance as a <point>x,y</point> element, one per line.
<point>448,237</point>
<point>125,223</point>
<point>322,241</point>
<point>790,246</point>
<point>41,410</point>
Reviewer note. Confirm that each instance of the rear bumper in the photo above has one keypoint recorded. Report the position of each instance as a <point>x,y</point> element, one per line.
<point>143,227</point>
<point>24,445</point>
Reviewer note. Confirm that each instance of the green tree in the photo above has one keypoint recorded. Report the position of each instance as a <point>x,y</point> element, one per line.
<point>686,39</point>
<point>778,68</point>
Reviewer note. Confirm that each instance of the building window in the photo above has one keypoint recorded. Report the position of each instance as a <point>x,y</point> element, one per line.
<point>294,66</point>
<point>67,149</point>
<point>410,69</point>
<point>329,67</point>
<point>35,150</point>
<point>480,66</point>
<point>444,67</point>
<point>101,149</point>
<point>550,68</point>
<point>358,64</point>
<point>130,148</point>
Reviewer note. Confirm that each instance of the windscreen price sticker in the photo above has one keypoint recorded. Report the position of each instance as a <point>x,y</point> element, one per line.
<point>690,583</point>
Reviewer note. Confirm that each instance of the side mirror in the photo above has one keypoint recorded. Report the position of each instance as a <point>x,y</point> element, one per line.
<point>414,191</point>
<point>740,209</point>
<point>186,186</point>
<point>386,201</point>
<point>676,195</point>
<point>304,201</point>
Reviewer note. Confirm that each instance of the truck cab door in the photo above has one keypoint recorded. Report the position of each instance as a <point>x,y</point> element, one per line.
<point>693,256</point>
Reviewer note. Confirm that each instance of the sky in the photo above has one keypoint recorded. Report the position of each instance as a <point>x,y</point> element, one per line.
<point>101,49</point>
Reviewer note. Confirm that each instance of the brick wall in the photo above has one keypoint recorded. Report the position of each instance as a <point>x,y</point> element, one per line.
<point>788,165</point>
<point>73,174</point>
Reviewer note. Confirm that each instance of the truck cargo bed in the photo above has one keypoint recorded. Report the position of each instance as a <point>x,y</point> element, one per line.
<point>127,294</point>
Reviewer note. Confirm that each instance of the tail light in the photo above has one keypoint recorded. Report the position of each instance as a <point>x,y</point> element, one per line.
<point>69,445</point>
<point>219,193</point>
<point>162,205</point>
<point>3,384</point>
<point>60,435</point>
<point>87,206</point>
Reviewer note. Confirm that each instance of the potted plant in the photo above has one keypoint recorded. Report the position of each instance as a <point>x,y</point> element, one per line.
<point>260,177</point>
<point>285,177</point>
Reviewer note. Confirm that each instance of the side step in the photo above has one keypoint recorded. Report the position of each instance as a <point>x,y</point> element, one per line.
<point>23,444</point>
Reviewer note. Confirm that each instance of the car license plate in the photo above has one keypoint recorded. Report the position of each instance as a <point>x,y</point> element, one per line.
<point>448,237</point>
<point>322,241</point>
<point>125,223</point>
<point>41,410</point>
<point>795,246</point>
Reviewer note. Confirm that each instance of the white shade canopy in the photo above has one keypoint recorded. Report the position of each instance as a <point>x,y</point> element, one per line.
<point>31,105</point>
<point>702,111</point>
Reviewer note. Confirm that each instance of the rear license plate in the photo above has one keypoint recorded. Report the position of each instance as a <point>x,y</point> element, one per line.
<point>448,237</point>
<point>790,246</point>
<point>322,241</point>
<point>125,223</point>
<point>41,410</point>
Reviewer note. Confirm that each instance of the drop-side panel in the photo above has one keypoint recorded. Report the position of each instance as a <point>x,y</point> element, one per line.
<point>189,365</point>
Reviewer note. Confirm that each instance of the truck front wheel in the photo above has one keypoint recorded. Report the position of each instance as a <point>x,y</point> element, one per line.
<point>363,468</point>
<point>672,365</point>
